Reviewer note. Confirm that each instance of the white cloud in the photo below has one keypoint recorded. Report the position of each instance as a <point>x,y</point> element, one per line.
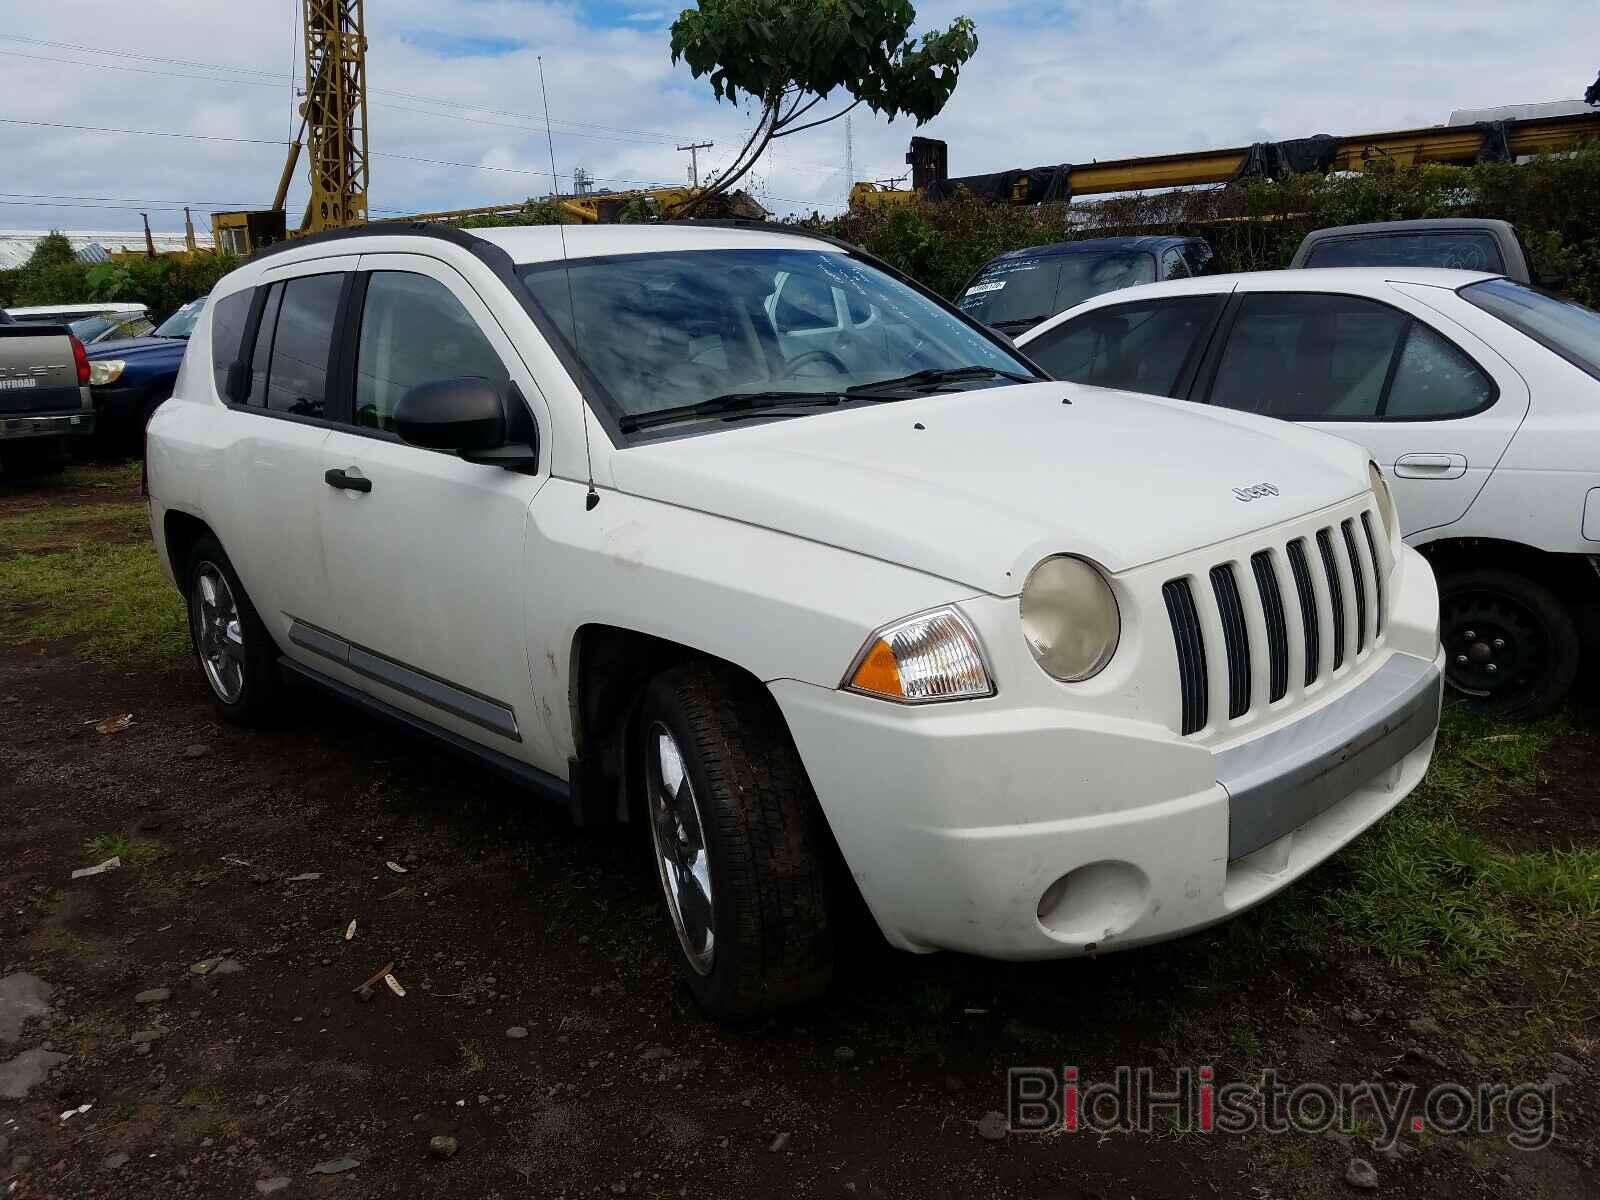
<point>1062,82</point>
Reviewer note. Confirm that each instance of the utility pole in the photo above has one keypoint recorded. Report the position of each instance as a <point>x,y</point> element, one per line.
<point>149,242</point>
<point>694,149</point>
<point>849,154</point>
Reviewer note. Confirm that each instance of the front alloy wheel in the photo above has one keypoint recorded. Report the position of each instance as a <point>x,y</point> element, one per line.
<point>738,840</point>
<point>678,835</point>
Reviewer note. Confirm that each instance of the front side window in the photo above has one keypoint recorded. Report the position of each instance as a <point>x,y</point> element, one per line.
<point>1462,250</point>
<point>1137,347</point>
<point>1173,264</point>
<point>1563,326</point>
<point>1317,357</point>
<point>413,331</point>
<point>663,330</point>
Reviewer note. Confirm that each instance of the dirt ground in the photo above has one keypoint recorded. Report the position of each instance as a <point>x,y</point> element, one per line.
<point>205,997</point>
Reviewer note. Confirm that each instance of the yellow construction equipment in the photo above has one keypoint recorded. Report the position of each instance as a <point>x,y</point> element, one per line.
<point>1402,148</point>
<point>333,126</point>
<point>605,208</point>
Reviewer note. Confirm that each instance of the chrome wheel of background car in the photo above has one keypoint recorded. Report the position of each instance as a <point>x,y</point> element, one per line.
<point>217,633</point>
<point>678,835</point>
<point>1493,644</point>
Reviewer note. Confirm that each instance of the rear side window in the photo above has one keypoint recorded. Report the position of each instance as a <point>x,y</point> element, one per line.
<point>413,331</point>
<point>1463,250</point>
<point>228,319</point>
<point>1563,326</point>
<point>1136,347</point>
<point>302,341</point>
<point>1315,357</point>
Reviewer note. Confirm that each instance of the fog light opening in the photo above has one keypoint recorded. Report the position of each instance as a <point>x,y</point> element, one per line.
<point>1092,903</point>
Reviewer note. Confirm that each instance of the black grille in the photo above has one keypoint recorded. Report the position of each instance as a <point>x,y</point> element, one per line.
<point>1308,607</point>
<point>1277,627</point>
<point>1191,649</point>
<point>1358,578</point>
<point>1235,638</point>
<point>1335,595</point>
<point>1377,566</point>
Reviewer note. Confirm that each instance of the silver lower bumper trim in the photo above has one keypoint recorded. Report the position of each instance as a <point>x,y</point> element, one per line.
<point>1282,779</point>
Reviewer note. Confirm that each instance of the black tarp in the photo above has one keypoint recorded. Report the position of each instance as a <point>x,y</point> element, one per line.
<point>1037,185</point>
<point>1592,96</point>
<point>1296,156</point>
<point>1496,141</point>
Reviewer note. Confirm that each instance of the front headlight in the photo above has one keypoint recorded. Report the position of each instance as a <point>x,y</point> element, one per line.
<point>105,370</point>
<point>928,657</point>
<point>1386,509</point>
<point>1070,618</point>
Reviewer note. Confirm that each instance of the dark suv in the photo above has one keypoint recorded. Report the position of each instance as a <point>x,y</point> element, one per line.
<point>1014,291</point>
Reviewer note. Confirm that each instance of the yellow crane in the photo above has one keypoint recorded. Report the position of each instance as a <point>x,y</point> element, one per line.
<point>333,128</point>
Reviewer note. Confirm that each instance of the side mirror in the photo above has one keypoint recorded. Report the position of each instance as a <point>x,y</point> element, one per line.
<point>468,417</point>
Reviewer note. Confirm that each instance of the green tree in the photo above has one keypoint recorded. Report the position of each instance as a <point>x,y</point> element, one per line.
<point>788,56</point>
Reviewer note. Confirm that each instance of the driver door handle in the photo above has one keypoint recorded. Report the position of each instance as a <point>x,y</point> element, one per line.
<point>336,477</point>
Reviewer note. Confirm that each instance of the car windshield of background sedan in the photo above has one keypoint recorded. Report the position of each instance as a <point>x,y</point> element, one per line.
<point>181,323</point>
<point>1028,290</point>
<point>1564,326</point>
<point>662,331</point>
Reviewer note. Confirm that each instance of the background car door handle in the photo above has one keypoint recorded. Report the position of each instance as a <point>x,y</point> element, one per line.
<point>350,483</point>
<point>1431,466</point>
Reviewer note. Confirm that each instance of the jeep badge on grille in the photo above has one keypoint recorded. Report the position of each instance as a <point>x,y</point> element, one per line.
<point>1255,491</point>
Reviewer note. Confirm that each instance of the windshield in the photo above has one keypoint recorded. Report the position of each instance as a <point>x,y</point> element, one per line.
<point>1565,326</point>
<point>1465,250</point>
<point>181,323</point>
<point>1024,291</point>
<point>660,331</point>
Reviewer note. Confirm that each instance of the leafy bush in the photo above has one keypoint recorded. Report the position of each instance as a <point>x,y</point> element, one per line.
<point>1553,201</point>
<point>54,274</point>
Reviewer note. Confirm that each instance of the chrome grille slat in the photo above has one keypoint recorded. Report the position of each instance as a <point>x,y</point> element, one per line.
<point>1308,607</point>
<point>1277,626</point>
<point>1250,632</point>
<point>1330,569</point>
<point>1235,638</point>
<point>1359,579</point>
<point>1377,567</point>
<point>1191,648</point>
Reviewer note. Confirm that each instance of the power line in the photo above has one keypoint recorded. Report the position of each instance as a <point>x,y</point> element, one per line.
<point>199,137</point>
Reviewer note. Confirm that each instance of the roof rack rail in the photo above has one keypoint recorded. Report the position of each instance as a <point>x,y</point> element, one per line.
<point>464,238</point>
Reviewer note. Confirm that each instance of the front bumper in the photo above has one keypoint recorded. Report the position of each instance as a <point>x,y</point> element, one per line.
<point>1014,829</point>
<point>37,425</point>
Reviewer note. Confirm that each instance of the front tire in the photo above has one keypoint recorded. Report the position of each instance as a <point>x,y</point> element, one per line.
<point>1511,645</point>
<point>236,654</point>
<point>737,840</point>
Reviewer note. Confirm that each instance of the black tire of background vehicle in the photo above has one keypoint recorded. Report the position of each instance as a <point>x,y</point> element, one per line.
<point>141,420</point>
<point>259,702</point>
<point>765,839</point>
<point>32,456</point>
<point>1534,614</point>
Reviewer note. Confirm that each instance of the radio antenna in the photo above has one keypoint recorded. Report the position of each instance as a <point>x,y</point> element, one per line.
<point>592,498</point>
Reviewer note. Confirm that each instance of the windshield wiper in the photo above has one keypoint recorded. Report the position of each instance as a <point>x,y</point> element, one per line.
<point>733,402</point>
<point>937,375</point>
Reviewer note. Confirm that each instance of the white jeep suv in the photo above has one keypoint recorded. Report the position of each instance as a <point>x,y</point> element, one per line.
<point>739,533</point>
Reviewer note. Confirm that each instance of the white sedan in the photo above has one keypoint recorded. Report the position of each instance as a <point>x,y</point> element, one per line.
<point>1479,397</point>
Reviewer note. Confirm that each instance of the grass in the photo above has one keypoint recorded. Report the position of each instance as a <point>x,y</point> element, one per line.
<point>49,528</point>
<point>472,1061</point>
<point>77,475</point>
<point>111,601</point>
<point>134,852</point>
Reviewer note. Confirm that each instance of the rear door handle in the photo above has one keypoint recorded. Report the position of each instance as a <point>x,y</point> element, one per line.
<point>1431,466</point>
<point>350,483</point>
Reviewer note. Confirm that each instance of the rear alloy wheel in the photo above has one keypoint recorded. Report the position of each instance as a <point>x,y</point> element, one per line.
<point>737,841</point>
<point>1511,646</point>
<point>235,651</point>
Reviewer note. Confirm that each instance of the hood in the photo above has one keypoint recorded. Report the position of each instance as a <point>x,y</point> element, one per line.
<point>978,486</point>
<point>139,347</point>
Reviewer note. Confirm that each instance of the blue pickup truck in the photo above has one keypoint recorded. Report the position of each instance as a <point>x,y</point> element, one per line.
<point>130,377</point>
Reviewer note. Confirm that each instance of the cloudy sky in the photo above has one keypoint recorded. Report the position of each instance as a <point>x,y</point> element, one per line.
<point>456,112</point>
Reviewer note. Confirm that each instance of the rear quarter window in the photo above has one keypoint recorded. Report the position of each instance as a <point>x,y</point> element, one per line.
<point>228,319</point>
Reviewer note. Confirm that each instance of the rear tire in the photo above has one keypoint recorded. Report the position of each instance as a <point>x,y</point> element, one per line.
<point>1511,645</point>
<point>237,656</point>
<point>738,842</point>
<point>33,457</point>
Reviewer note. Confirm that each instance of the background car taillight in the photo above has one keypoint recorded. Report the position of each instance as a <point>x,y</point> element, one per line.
<point>81,357</point>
